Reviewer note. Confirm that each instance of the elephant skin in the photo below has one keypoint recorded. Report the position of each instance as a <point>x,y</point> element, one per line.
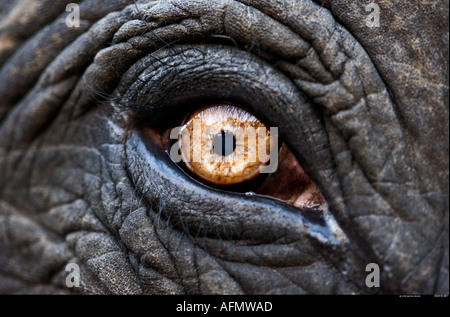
<point>364,109</point>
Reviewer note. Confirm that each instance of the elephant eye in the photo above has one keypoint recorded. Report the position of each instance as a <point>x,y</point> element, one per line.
<point>225,145</point>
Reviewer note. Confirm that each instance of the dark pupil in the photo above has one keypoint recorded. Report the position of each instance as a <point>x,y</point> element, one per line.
<point>224,143</point>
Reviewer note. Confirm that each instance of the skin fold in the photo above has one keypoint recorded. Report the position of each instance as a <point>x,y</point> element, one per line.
<point>364,110</point>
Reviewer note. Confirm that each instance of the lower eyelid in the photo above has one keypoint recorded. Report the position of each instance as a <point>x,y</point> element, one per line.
<point>218,214</point>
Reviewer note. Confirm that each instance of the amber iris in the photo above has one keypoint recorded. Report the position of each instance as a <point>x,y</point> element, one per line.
<point>222,144</point>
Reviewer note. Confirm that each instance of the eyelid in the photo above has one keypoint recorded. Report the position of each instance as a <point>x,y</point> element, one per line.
<point>163,90</point>
<point>227,214</point>
<point>289,183</point>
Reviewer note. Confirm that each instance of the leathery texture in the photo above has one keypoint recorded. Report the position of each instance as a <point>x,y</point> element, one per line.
<point>79,185</point>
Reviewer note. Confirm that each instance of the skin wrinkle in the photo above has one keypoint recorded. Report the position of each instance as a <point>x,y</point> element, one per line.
<point>257,273</point>
<point>16,223</point>
<point>155,229</point>
<point>172,260</point>
<point>407,58</point>
<point>274,257</point>
<point>149,177</point>
<point>56,33</point>
<point>220,287</point>
<point>159,238</point>
<point>97,71</point>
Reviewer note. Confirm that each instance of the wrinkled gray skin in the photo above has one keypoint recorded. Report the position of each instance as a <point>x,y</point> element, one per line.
<point>365,110</point>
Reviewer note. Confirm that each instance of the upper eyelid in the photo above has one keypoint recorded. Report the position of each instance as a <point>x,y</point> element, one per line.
<point>258,88</point>
<point>271,96</point>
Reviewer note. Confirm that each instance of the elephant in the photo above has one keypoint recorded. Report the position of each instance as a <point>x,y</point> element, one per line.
<point>357,89</point>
